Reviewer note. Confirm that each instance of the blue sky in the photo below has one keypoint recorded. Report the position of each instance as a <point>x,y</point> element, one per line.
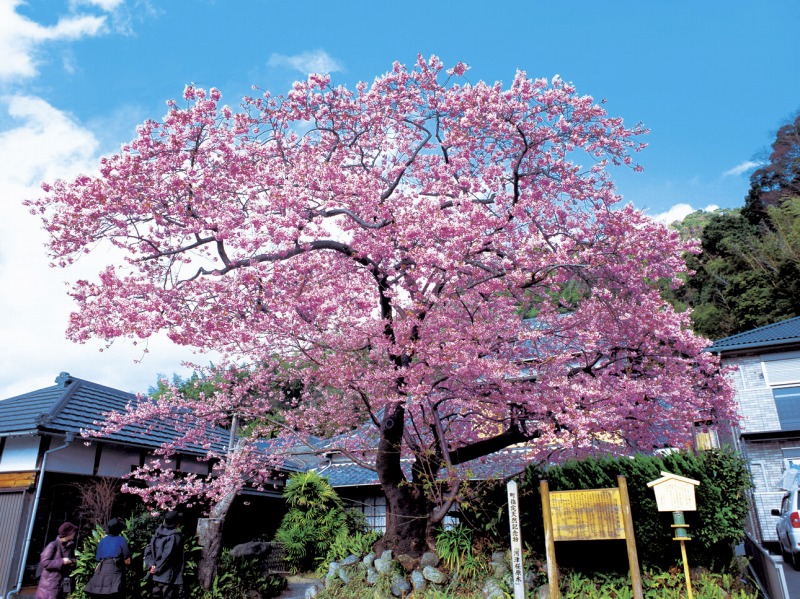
<point>712,80</point>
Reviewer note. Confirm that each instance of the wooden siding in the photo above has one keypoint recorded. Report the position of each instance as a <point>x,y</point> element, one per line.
<point>17,480</point>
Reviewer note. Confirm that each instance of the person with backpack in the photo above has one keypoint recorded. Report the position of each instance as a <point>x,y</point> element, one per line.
<point>163,559</point>
<point>57,561</point>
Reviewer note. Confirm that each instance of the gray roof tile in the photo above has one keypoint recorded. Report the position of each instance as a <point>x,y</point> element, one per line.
<point>500,465</point>
<point>73,405</point>
<point>779,333</point>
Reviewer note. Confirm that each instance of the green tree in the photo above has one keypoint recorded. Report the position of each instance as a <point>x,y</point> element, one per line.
<point>779,178</point>
<point>316,517</point>
<point>746,275</point>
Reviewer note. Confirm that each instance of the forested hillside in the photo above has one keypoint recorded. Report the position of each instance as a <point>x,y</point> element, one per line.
<point>748,273</point>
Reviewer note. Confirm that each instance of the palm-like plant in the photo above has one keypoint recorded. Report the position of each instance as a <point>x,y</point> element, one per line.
<point>316,516</point>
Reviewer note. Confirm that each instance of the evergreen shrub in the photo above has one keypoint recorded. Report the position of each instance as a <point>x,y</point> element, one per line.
<point>716,526</point>
<point>315,518</point>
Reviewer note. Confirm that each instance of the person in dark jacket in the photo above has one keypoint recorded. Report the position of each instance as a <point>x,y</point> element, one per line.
<point>57,561</point>
<point>112,556</point>
<point>163,558</point>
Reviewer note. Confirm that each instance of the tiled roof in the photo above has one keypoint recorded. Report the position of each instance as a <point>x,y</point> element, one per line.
<point>779,333</point>
<point>499,465</point>
<point>349,474</point>
<point>73,405</point>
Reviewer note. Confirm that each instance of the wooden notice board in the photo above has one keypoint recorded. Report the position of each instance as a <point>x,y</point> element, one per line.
<point>588,515</point>
<point>591,515</point>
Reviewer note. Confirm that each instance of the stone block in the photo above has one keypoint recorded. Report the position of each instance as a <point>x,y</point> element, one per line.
<point>433,575</point>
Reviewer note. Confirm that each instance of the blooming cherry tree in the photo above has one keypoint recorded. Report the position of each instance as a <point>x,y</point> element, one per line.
<point>444,260</point>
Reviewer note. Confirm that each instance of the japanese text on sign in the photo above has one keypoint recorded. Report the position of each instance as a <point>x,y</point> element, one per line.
<point>590,515</point>
<point>516,541</point>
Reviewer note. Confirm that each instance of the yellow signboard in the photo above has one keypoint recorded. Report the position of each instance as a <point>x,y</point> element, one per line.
<point>591,515</point>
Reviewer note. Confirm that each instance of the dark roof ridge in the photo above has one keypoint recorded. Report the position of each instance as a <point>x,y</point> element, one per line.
<point>70,385</point>
<point>101,387</point>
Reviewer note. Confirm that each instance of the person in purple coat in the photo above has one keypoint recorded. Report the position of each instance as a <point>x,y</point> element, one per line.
<point>57,561</point>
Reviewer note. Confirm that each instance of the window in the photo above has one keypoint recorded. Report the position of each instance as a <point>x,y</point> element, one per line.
<point>782,369</point>
<point>787,403</point>
<point>374,509</point>
<point>705,435</point>
<point>759,477</point>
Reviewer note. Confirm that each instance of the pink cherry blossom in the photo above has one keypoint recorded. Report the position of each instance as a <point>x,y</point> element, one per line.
<point>381,246</point>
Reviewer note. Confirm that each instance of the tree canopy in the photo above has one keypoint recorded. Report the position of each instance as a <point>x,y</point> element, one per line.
<point>383,245</point>
<point>748,273</point>
<point>778,178</point>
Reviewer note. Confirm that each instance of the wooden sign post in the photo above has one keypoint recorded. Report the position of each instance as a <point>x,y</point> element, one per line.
<point>590,515</point>
<point>676,494</point>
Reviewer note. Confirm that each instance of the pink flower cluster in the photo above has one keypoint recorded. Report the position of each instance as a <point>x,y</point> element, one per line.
<point>380,246</point>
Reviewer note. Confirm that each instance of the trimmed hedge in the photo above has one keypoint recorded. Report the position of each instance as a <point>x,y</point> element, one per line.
<point>716,526</point>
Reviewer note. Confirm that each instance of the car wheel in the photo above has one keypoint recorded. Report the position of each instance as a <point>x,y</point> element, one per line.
<point>795,560</point>
<point>784,553</point>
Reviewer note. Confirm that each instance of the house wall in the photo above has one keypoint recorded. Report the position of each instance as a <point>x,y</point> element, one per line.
<point>117,462</point>
<point>766,464</point>
<point>19,453</point>
<point>75,458</point>
<point>754,396</point>
<point>758,375</point>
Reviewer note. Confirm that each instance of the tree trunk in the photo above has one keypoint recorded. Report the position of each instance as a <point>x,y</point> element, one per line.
<point>408,511</point>
<point>408,525</point>
<point>209,533</point>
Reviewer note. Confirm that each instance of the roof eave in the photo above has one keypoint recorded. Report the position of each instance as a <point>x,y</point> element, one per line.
<point>22,433</point>
<point>757,345</point>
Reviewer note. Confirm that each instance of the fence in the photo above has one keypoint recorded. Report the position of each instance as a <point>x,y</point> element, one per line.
<point>275,561</point>
<point>766,570</point>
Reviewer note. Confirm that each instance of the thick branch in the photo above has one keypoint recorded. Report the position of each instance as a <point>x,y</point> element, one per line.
<point>320,244</point>
<point>484,447</point>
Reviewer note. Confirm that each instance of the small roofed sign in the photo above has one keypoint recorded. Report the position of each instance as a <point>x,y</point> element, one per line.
<point>674,493</point>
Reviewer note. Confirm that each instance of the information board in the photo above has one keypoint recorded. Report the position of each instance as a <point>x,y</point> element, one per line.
<point>589,515</point>
<point>674,493</point>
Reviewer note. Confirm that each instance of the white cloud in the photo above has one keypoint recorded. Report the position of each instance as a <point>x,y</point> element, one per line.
<point>679,212</point>
<point>20,38</point>
<point>45,143</point>
<point>313,61</point>
<point>106,5</point>
<point>740,169</point>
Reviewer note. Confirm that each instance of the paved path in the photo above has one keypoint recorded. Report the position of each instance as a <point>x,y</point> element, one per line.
<point>792,580</point>
<point>297,587</point>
